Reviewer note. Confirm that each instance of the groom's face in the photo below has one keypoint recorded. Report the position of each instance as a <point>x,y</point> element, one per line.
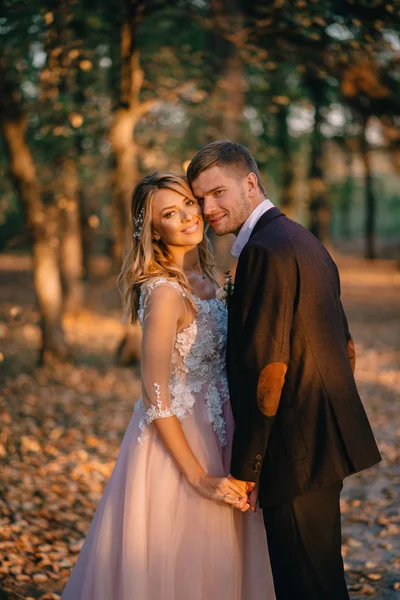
<point>223,196</point>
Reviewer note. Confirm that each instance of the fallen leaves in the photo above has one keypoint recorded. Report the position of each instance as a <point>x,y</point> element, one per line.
<point>61,429</point>
<point>370,500</point>
<point>60,432</point>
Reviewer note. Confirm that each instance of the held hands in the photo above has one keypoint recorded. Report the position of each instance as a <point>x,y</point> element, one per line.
<point>251,493</point>
<point>238,494</point>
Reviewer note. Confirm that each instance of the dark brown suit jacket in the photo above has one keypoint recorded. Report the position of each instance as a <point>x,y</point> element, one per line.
<point>299,421</point>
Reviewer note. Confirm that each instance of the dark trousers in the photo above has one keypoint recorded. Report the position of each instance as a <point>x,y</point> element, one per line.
<point>304,540</point>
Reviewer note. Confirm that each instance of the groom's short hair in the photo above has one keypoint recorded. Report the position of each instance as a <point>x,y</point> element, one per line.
<point>224,153</point>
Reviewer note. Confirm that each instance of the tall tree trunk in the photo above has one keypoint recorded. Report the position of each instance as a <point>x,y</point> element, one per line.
<point>347,195</point>
<point>43,226</point>
<point>319,205</point>
<point>61,80</point>
<point>86,231</point>
<point>122,130</point>
<point>370,201</point>
<point>288,190</point>
<point>129,349</point>
<point>234,97</point>
<point>71,251</point>
<point>125,158</point>
<point>228,93</point>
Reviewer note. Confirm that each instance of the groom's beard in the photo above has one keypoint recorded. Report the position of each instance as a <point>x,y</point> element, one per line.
<point>233,217</point>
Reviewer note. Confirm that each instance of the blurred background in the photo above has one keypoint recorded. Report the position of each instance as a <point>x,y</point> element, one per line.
<point>94,95</point>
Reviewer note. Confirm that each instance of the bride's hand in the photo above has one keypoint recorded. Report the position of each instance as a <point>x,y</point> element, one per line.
<point>222,489</point>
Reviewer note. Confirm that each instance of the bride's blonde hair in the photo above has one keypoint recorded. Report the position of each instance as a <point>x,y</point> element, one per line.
<point>145,256</point>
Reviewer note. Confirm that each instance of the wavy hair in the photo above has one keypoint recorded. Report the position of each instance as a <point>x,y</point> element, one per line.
<point>145,257</point>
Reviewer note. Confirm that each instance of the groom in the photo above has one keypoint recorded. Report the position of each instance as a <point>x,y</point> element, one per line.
<point>300,427</point>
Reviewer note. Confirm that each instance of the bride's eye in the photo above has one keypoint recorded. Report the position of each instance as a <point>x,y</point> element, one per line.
<point>169,215</point>
<point>190,203</point>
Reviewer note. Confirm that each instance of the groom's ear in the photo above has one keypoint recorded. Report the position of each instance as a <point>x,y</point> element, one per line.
<point>252,184</point>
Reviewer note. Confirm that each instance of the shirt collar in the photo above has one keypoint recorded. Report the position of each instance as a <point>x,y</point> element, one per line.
<point>248,226</point>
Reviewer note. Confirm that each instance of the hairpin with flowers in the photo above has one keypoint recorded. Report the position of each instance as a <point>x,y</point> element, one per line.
<point>138,222</point>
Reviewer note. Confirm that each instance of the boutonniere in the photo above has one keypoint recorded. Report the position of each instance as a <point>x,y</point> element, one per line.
<point>223,293</point>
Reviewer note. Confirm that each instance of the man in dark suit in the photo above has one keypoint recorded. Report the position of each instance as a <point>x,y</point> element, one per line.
<point>300,427</point>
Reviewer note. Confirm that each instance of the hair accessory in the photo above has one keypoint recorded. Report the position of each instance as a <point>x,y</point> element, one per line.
<point>138,221</point>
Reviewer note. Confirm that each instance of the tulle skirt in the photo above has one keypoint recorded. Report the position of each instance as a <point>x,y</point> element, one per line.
<point>153,537</point>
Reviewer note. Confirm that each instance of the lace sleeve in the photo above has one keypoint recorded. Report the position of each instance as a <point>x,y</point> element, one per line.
<point>163,308</point>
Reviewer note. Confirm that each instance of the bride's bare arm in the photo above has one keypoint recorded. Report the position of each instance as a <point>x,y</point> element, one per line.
<point>220,489</point>
<point>165,313</point>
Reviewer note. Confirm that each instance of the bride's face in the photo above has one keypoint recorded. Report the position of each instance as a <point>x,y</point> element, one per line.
<point>177,219</point>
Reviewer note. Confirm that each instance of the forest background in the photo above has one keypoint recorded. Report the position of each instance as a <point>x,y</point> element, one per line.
<point>94,95</point>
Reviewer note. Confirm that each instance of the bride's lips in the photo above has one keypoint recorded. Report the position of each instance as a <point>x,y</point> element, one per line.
<point>191,229</point>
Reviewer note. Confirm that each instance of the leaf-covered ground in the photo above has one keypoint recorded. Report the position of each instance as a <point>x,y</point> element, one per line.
<point>61,427</point>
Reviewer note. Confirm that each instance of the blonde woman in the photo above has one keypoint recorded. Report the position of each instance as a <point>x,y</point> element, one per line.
<point>172,525</point>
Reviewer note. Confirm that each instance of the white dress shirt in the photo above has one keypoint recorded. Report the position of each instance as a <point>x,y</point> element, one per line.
<point>248,226</point>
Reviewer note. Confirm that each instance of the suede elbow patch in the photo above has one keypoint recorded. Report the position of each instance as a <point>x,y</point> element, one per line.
<point>352,354</point>
<point>269,388</point>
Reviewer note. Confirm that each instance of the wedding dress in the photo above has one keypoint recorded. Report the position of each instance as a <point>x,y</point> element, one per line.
<point>153,537</point>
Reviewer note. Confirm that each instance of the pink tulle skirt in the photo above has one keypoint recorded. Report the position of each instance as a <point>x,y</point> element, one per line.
<point>153,537</point>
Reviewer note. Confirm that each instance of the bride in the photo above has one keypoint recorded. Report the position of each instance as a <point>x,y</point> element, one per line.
<point>172,524</point>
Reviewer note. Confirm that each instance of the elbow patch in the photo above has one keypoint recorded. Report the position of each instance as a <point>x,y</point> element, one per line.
<point>269,388</point>
<point>352,354</point>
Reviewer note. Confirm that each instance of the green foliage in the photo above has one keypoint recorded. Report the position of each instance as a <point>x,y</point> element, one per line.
<point>290,55</point>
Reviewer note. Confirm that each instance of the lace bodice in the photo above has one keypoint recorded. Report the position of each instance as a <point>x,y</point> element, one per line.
<point>196,371</point>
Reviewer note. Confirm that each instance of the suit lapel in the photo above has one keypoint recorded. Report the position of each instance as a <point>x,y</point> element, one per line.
<point>268,216</point>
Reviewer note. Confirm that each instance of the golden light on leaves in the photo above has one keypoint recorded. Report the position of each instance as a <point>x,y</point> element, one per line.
<point>86,65</point>
<point>76,120</point>
<point>317,186</point>
<point>1,357</point>
<point>57,51</point>
<point>73,54</point>
<point>94,221</point>
<point>282,100</point>
<point>15,311</point>
<point>58,130</point>
<point>63,203</point>
<point>49,18</point>
<point>198,96</point>
<point>320,21</point>
<point>363,77</point>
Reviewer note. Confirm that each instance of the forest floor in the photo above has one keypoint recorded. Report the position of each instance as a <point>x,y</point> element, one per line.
<point>61,427</point>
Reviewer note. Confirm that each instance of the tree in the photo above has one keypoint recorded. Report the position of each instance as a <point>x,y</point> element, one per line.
<point>58,87</point>
<point>366,91</point>
<point>126,116</point>
<point>40,220</point>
